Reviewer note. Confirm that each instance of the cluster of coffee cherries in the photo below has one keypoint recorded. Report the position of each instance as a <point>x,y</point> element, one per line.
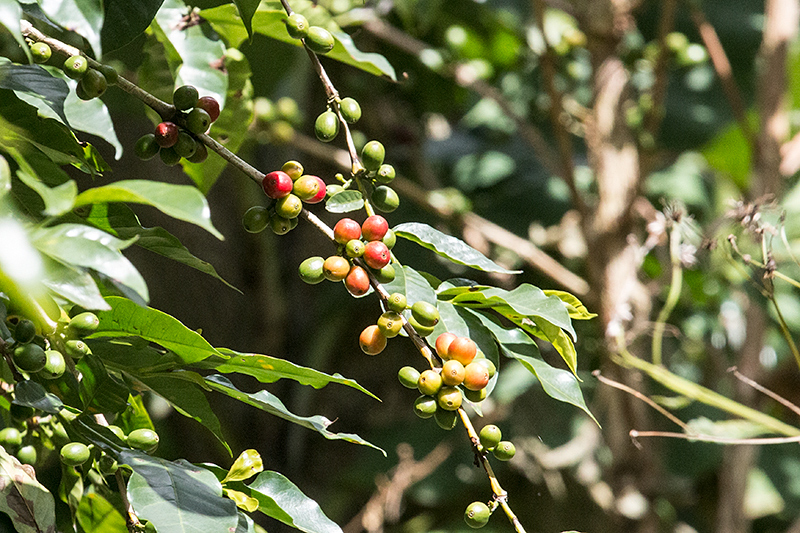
<point>316,38</point>
<point>92,82</point>
<point>172,141</point>
<point>490,440</point>
<point>76,453</point>
<point>423,317</point>
<point>368,243</point>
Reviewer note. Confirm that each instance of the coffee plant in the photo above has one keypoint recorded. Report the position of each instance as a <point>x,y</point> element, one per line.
<point>82,350</point>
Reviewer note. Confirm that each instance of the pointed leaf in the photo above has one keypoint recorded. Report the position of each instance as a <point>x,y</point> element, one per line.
<point>31,394</point>
<point>26,501</point>
<point>345,202</point>
<point>271,404</point>
<point>247,8</point>
<point>99,392</point>
<point>448,247</point>
<point>96,515</point>
<point>575,308</point>
<point>125,20</point>
<point>34,81</point>
<point>74,284</point>
<point>243,501</point>
<point>245,466</point>
<point>84,17</point>
<point>91,116</point>
<point>10,15</point>
<point>280,499</point>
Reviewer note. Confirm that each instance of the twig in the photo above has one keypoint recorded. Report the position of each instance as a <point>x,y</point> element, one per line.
<point>760,388</point>
<point>640,396</point>
<point>711,438</point>
<point>131,520</point>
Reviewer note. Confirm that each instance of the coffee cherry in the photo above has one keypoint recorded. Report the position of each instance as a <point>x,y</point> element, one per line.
<point>504,450</point>
<point>27,455</point>
<point>143,439</point>
<point>186,145</point>
<point>76,348</point>
<point>81,93</point>
<point>350,109</point>
<point>357,281</point>
<point>185,97</point>
<point>390,324</point>
<point>425,406</point>
<point>255,219</point>
<point>385,174</point>
<point>293,168</point>
<point>310,189</point>
<point>198,121</point>
<point>390,239</point>
<point>10,437</point>
<point>93,84</point>
<point>75,454</point>
<point>374,228</point>
<point>200,154</point>
<point>166,134</point>
<point>476,375</point>
<point>452,373</point>
<point>326,127</point>
<point>83,324</point>
<point>449,398</point>
<point>41,52</point>
<point>371,340</point>
<point>75,67</point>
<point>490,368</point>
<point>475,396</point>
<point>54,366</point>
<point>345,230</point>
<point>210,105</point>
<point>282,226</point>
<point>477,515</point>
<point>376,254</point>
<point>397,302</point>
<point>336,268</point>
<point>296,26</point>
<point>462,349</point>
<point>430,382</point>
<point>445,419</point>
<point>111,74</point>
<point>311,270</point>
<point>29,357</point>
<point>116,430</point>
<point>289,206</point>
<point>408,376</point>
<point>333,189</point>
<point>25,331</point>
<point>146,147</point>
<point>354,248</point>
<point>422,331</point>
<point>372,155</point>
<point>443,342</point>
<point>490,436</point>
<point>385,199</point>
<point>319,40</point>
<point>386,274</point>
<point>277,184</point>
<point>426,313</point>
<point>169,156</point>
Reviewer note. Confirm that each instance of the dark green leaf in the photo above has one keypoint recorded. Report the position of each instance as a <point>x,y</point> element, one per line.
<point>92,116</point>
<point>34,81</point>
<point>125,21</point>
<point>28,504</point>
<point>96,515</point>
<point>247,8</point>
<point>448,247</point>
<point>128,319</point>
<point>345,202</point>
<point>133,357</point>
<point>84,17</point>
<point>177,497</point>
<point>280,499</point>
<point>100,392</point>
<point>31,394</point>
<point>418,288</point>
<point>271,404</point>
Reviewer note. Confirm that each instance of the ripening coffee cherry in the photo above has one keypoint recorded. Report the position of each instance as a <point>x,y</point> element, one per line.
<point>166,134</point>
<point>385,174</point>
<point>93,84</point>
<point>319,40</point>
<point>336,268</point>
<point>282,226</point>
<point>146,147</point>
<point>371,340</point>
<point>372,155</point>
<point>311,270</point>
<point>41,52</point>
<point>169,156</point>
<point>476,375</point>
<point>426,313</point>
<point>75,453</point>
<point>289,206</point>
<point>452,373</point>
<point>186,145</point>
<point>477,515</point>
<point>462,349</point>
<point>504,450</point>
<point>490,368</point>
<point>255,219</point>
<point>143,439</point>
<point>374,228</point>
<point>397,302</point>
<point>25,331</point>
<point>27,455</point>
<point>76,348</point>
<point>296,26</point>
<point>293,168</point>
<point>326,127</point>
<point>55,365</point>
<point>10,437</point>
<point>210,105</point>
<point>309,189</point>
<point>390,324</point>
<point>350,109</point>
<point>75,67</point>
<point>425,406</point>
<point>385,274</point>
<point>443,342</point>
<point>200,154</point>
<point>385,199</point>
<point>345,230</point>
<point>430,382</point>
<point>376,254</point>
<point>408,376</point>
<point>357,281</point>
<point>476,396</point>
<point>29,357</point>
<point>422,331</point>
<point>354,248</point>
<point>445,419</point>
<point>390,239</point>
<point>449,398</point>
<point>198,121</point>
<point>185,97</point>
<point>490,436</point>
<point>277,184</point>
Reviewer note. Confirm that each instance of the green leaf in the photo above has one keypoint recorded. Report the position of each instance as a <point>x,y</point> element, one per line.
<point>280,499</point>
<point>100,393</point>
<point>35,82</point>
<point>575,308</point>
<point>96,515</point>
<point>74,284</point>
<point>729,152</point>
<point>247,8</point>
<point>10,15</point>
<point>91,116</point>
<point>128,319</point>
<point>345,202</point>
<point>271,404</point>
<point>177,497</point>
<point>28,504</point>
<point>268,369</point>
<point>85,246</point>
<point>31,394</point>
<point>474,171</point>
<point>84,17</point>
<point>245,466</point>
<point>125,20</point>
<point>183,391</point>
<point>183,202</point>
<point>5,177</point>
<point>448,247</point>
<point>135,416</point>
<point>57,200</point>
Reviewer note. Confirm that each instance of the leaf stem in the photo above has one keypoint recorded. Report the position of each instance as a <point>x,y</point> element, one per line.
<point>672,296</point>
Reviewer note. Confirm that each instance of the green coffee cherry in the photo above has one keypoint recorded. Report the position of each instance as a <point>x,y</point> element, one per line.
<point>93,84</point>
<point>200,154</point>
<point>390,324</point>
<point>41,52</point>
<point>425,313</point>
<point>385,174</point>
<point>311,270</point>
<point>385,199</point>
<point>408,376</point>
<point>289,206</point>
<point>75,454</point>
<point>326,127</point>
<point>25,331</point>
<point>54,366</point>
<point>146,147</point>
<point>446,419</point>
<point>488,364</point>
<point>385,274</point>
<point>75,67</point>
<point>29,357</point>
<point>429,382</point>
<point>504,450</point>
<point>351,110</point>
<point>281,225</point>
<point>425,406</point>
<point>390,239</point>
<point>143,439</point>
<point>294,169</point>
<point>198,121</point>
<point>422,331</point>
<point>319,40</point>
<point>10,437</point>
<point>333,189</point>
<point>169,156</point>
<point>477,515</point>
<point>490,436</point>
<point>185,97</point>
<point>76,348</point>
<point>112,77</point>
<point>397,302</point>
<point>297,26</point>
<point>449,398</point>
<point>255,219</point>
<point>372,155</point>
<point>83,324</point>
<point>116,430</point>
<point>475,396</point>
<point>27,455</point>
<point>354,248</point>
<point>186,145</point>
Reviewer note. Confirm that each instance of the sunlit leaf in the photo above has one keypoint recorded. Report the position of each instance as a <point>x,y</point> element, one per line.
<point>96,515</point>
<point>35,81</point>
<point>247,8</point>
<point>345,202</point>
<point>245,466</point>
<point>10,15</point>
<point>575,308</point>
<point>84,17</point>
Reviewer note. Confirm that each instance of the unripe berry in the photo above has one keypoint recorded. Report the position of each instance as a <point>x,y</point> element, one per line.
<point>146,147</point>
<point>326,127</point>
<point>350,109</point>
<point>10,437</point>
<point>210,105</point>
<point>390,239</point>
<point>255,219</point>
<point>390,324</point>
<point>357,281</point>
<point>41,52</point>
<point>476,375</point>
<point>386,274</point>
<point>333,189</point>
<point>55,365</point>
<point>475,395</point>
<point>477,515</point>
<point>297,26</point>
<point>504,450</point>
<point>336,268</point>
<point>385,174</point>
<point>377,255</point>
<point>200,154</point>
<point>374,228</point>
<point>422,331</point>
<point>319,40</point>
<point>277,184</point>
<point>429,382</point>
<point>408,376</point>
<point>198,121</point>
<point>449,398</point>
<point>111,74</point>
<point>397,302</point>
<point>385,199</point>
<point>452,373</point>
<point>462,349</point>
<point>76,348</point>
<point>75,67</point>
<point>345,230</point>
<point>75,453</point>
<point>280,225</point>
<point>169,156</point>
<point>354,248</point>
<point>29,357</point>
<point>25,331</point>
<point>185,97</point>
<point>289,206</point>
<point>490,368</point>
<point>143,439</point>
<point>293,168</point>
<point>425,313</point>
<point>371,340</point>
<point>166,134</point>
<point>372,155</point>
<point>83,324</point>
<point>27,455</point>
<point>490,436</point>
<point>93,84</point>
<point>186,145</point>
<point>425,406</point>
<point>311,270</point>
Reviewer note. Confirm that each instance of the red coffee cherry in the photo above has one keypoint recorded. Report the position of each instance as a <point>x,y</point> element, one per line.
<point>463,350</point>
<point>277,184</point>
<point>377,255</point>
<point>346,230</point>
<point>443,342</point>
<point>310,189</point>
<point>210,105</point>
<point>476,375</point>
<point>166,134</point>
<point>374,228</point>
<point>357,281</point>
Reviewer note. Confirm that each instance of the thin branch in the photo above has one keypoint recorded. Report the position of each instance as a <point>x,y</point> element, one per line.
<point>711,438</point>
<point>658,92</point>
<point>760,388</point>
<point>673,295</point>
<point>640,396</point>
